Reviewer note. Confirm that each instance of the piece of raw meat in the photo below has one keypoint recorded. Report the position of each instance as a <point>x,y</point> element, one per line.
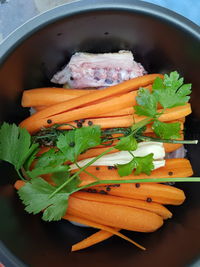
<point>99,70</point>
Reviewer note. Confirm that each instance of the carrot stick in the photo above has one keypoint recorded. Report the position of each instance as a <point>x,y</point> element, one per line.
<point>95,152</point>
<point>36,122</point>
<point>163,194</point>
<point>170,114</point>
<point>75,103</point>
<point>173,168</point>
<point>104,123</point>
<point>93,239</point>
<point>50,96</point>
<point>78,219</point>
<point>140,204</point>
<point>98,238</point>
<point>117,216</point>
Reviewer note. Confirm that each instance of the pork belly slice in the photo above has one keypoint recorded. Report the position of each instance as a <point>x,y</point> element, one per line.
<point>99,70</point>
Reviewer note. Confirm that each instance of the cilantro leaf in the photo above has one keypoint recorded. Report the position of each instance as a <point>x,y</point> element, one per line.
<point>66,143</point>
<point>60,177</point>
<point>140,164</point>
<point>87,137</point>
<point>49,162</point>
<point>15,145</point>
<point>126,169</point>
<point>171,92</point>
<point>74,142</point>
<point>35,195</point>
<point>144,164</point>
<point>167,130</point>
<point>147,103</point>
<point>127,143</point>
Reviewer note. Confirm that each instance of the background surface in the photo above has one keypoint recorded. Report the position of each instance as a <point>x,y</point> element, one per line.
<point>13,13</point>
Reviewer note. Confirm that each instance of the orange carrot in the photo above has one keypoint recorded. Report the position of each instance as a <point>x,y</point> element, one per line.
<point>50,96</point>
<point>93,239</point>
<point>163,194</point>
<point>172,168</point>
<point>35,122</point>
<point>140,204</point>
<point>118,216</point>
<point>78,219</point>
<point>104,123</point>
<point>170,114</point>
<point>75,103</point>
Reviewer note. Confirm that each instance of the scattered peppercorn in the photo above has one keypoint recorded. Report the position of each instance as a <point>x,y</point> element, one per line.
<point>102,192</point>
<point>72,144</point>
<point>137,185</point>
<point>90,123</point>
<point>79,124</point>
<point>49,121</point>
<point>110,167</point>
<point>149,199</point>
<point>97,168</point>
<point>170,173</point>
<point>76,121</point>
<point>108,188</point>
<point>71,78</point>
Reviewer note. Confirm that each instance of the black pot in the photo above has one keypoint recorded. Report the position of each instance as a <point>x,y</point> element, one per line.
<point>162,41</point>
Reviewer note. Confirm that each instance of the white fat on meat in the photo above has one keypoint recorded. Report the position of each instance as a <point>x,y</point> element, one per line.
<point>99,70</point>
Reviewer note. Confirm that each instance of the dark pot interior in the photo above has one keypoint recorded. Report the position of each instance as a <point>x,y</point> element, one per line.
<point>162,41</point>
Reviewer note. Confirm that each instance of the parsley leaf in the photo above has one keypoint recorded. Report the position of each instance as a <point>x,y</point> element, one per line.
<point>171,92</point>
<point>74,142</point>
<point>49,162</point>
<point>35,195</point>
<point>127,143</point>
<point>140,164</point>
<point>167,130</point>
<point>15,145</point>
<point>147,103</point>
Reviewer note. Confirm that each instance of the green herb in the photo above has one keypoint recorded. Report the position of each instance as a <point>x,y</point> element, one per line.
<point>127,143</point>
<point>35,196</point>
<point>140,164</point>
<point>167,130</point>
<point>171,92</point>
<point>73,143</point>
<point>16,146</point>
<point>147,104</point>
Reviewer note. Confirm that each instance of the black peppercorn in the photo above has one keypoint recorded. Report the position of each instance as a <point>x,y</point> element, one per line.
<point>79,124</point>
<point>90,123</point>
<point>170,173</point>
<point>137,185</point>
<point>72,144</point>
<point>49,121</point>
<point>149,199</point>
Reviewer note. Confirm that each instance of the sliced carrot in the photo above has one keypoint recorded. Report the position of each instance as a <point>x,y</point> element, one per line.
<point>163,194</point>
<point>172,168</point>
<point>50,96</point>
<point>104,123</point>
<point>93,239</point>
<point>140,204</point>
<point>95,152</point>
<point>117,216</point>
<point>78,219</point>
<point>170,114</point>
<point>76,103</point>
<point>35,123</point>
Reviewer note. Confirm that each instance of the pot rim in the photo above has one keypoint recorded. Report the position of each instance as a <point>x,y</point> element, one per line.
<point>38,22</point>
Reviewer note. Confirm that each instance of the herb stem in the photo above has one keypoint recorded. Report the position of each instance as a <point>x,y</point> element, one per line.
<point>92,175</point>
<point>21,177</point>
<point>148,180</point>
<point>147,138</point>
<point>81,170</point>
